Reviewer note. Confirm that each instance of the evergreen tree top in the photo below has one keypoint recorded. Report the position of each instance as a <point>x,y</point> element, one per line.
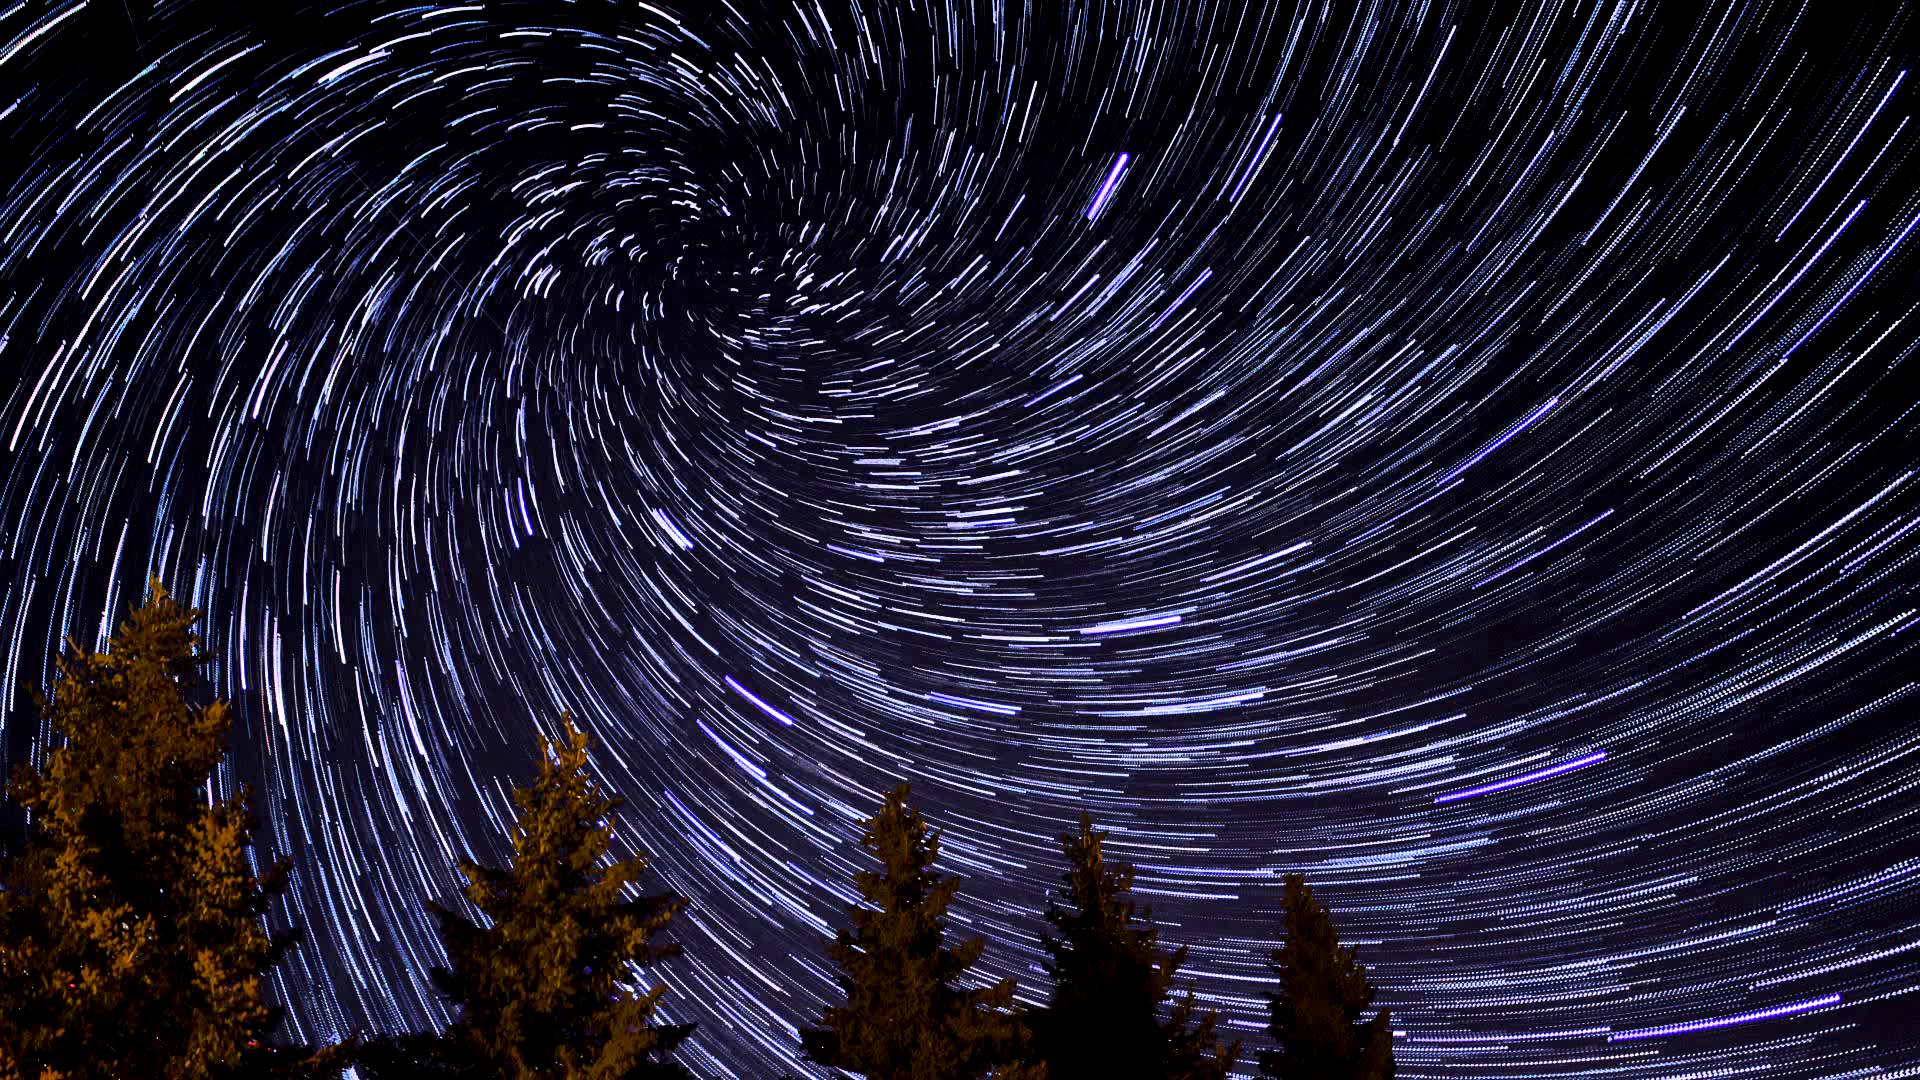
<point>1314,1016</point>
<point>131,941</point>
<point>1098,933</point>
<point>1112,981</point>
<point>905,1016</point>
<point>132,741</point>
<point>564,831</point>
<point>549,988</point>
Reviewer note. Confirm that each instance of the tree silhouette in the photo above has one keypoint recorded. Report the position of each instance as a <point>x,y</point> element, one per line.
<point>1111,978</point>
<point>905,1017</point>
<point>546,988</point>
<point>131,941</point>
<point>1315,1016</point>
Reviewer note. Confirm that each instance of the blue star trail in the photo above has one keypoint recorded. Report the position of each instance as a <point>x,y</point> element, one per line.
<point>1465,454</point>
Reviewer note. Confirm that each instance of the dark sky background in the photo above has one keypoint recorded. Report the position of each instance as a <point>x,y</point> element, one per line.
<point>1463,454</point>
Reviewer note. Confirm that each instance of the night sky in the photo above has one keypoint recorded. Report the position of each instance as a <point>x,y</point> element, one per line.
<point>1467,456</point>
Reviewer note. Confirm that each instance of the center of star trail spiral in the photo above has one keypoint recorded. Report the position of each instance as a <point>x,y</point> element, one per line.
<point>1462,453</point>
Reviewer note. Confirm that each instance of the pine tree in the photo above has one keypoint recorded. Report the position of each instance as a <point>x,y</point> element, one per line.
<point>1315,1016</point>
<point>905,1017</point>
<point>546,988</point>
<point>1111,978</point>
<point>131,941</point>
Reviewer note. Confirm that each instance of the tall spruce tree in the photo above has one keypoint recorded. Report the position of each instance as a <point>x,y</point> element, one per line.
<point>1314,1018</point>
<point>546,989</point>
<point>1111,980</point>
<point>905,1016</point>
<point>131,941</point>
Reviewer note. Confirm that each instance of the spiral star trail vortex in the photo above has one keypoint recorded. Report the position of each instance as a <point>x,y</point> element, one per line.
<point>1459,453</point>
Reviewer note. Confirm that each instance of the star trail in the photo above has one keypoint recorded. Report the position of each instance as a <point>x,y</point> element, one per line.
<point>1462,453</point>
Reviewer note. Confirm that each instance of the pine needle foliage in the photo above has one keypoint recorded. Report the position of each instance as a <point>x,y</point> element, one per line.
<point>547,988</point>
<point>1314,1017</point>
<point>905,1014</point>
<point>1112,979</point>
<point>131,936</point>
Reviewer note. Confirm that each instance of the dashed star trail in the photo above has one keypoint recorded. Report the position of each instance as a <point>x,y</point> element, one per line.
<point>1464,454</point>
